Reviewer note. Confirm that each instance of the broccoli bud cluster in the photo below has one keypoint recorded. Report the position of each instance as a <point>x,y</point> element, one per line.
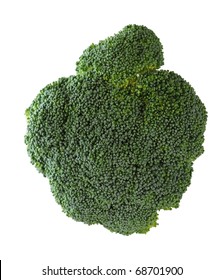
<point>117,141</point>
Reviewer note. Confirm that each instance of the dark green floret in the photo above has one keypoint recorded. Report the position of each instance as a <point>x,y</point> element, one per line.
<point>117,143</point>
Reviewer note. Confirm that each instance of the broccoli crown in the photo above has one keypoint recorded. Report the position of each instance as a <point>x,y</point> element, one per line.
<point>116,153</point>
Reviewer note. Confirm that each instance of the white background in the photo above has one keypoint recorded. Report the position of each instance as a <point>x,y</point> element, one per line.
<point>40,42</point>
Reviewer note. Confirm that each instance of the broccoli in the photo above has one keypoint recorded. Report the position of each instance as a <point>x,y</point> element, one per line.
<point>117,141</point>
<point>134,50</point>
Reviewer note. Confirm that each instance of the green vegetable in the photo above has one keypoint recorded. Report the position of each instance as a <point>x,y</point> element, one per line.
<point>118,140</point>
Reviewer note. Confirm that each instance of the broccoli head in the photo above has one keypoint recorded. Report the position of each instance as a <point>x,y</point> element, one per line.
<point>118,140</point>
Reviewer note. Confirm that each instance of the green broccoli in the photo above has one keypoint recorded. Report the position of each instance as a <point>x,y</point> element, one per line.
<point>134,50</point>
<point>118,140</point>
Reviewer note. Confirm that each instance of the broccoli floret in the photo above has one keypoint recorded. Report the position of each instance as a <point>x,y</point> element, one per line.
<point>46,118</point>
<point>118,140</point>
<point>134,50</point>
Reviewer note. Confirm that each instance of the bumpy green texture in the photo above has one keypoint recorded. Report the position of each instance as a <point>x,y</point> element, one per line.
<point>119,58</point>
<point>117,153</point>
